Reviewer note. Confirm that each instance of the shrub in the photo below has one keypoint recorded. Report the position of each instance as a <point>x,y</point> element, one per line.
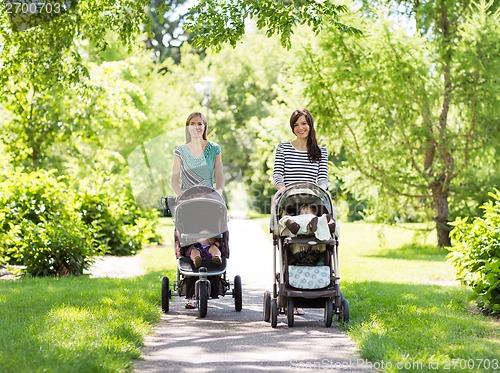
<point>118,225</point>
<point>52,230</point>
<point>476,254</point>
<point>39,227</point>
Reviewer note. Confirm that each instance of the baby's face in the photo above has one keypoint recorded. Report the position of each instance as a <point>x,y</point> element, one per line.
<point>306,210</point>
<point>205,240</point>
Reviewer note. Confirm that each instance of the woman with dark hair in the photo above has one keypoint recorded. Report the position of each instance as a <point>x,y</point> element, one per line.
<point>302,159</point>
<point>197,162</point>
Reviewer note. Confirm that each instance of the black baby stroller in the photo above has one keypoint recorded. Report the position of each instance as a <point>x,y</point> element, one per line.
<point>306,271</point>
<point>200,213</point>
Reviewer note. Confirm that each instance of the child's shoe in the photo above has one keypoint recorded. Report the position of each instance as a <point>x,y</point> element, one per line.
<point>217,259</point>
<point>331,223</point>
<point>197,261</point>
<point>313,224</point>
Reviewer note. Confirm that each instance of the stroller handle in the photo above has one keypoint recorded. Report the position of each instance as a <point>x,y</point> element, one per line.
<point>196,236</point>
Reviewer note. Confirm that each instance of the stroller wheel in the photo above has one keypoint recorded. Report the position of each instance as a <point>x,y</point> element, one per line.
<point>345,311</point>
<point>289,312</point>
<point>165,294</point>
<point>203,299</point>
<point>237,294</point>
<point>274,313</point>
<point>328,312</point>
<point>267,306</point>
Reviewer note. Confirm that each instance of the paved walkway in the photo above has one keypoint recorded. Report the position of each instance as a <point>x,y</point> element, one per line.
<point>230,341</point>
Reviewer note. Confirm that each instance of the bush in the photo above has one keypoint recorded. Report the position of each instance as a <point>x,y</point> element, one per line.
<point>39,227</point>
<point>52,230</point>
<point>476,255</point>
<point>118,225</point>
<point>114,225</point>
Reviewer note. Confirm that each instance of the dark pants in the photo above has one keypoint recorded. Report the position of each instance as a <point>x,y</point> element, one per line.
<point>191,281</point>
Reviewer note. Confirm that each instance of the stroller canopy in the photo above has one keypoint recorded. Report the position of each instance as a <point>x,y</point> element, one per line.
<point>293,196</point>
<point>201,209</point>
<point>289,199</point>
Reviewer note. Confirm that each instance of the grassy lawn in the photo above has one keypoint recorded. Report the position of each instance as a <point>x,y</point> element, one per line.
<point>407,313</point>
<point>81,324</point>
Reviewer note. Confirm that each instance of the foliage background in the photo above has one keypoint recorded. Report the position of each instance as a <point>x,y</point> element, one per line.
<point>405,96</point>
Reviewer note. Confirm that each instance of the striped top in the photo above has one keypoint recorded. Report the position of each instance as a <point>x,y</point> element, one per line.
<point>292,165</point>
<point>197,170</point>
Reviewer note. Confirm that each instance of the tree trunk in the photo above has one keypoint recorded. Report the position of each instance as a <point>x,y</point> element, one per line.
<point>440,205</point>
<point>440,186</point>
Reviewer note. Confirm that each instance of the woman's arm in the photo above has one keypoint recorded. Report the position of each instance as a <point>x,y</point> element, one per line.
<point>279,168</point>
<point>219,174</point>
<point>175,176</point>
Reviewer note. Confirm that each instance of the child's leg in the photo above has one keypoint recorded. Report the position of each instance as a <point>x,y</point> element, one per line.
<point>195,256</point>
<point>216,254</point>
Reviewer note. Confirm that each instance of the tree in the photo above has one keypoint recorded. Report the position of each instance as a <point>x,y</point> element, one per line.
<point>42,60</point>
<point>74,119</point>
<point>41,64</point>
<point>415,113</point>
<point>167,35</point>
<point>214,23</point>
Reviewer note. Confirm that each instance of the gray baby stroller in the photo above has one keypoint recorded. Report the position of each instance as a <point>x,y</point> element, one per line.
<point>306,270</point>
<point>200,213</point>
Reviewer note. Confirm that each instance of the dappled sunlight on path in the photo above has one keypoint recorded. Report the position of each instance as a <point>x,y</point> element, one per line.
<point>230,341</point>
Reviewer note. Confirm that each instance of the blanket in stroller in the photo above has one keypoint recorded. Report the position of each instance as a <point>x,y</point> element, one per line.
<point>322,231</point>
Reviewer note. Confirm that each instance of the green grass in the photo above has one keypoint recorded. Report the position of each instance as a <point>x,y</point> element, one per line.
<point>405,308</point>
<point>81,324</point>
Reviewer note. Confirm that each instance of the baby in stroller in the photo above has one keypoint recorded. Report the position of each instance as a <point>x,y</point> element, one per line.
<point>308,222</point>
<point>207,248</point>
<point>305,238</point>
<point>201,239</point>
<point>208,251</point>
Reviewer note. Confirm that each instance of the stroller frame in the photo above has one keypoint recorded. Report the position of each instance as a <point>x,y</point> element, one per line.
<point>193,213</point>
<point>284,297</point>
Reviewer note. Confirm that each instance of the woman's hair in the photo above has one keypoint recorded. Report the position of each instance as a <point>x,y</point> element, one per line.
<point>313,150</point>
<point>203,119</point>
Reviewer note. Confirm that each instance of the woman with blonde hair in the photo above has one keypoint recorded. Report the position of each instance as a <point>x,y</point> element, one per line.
<point>197,162</point>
